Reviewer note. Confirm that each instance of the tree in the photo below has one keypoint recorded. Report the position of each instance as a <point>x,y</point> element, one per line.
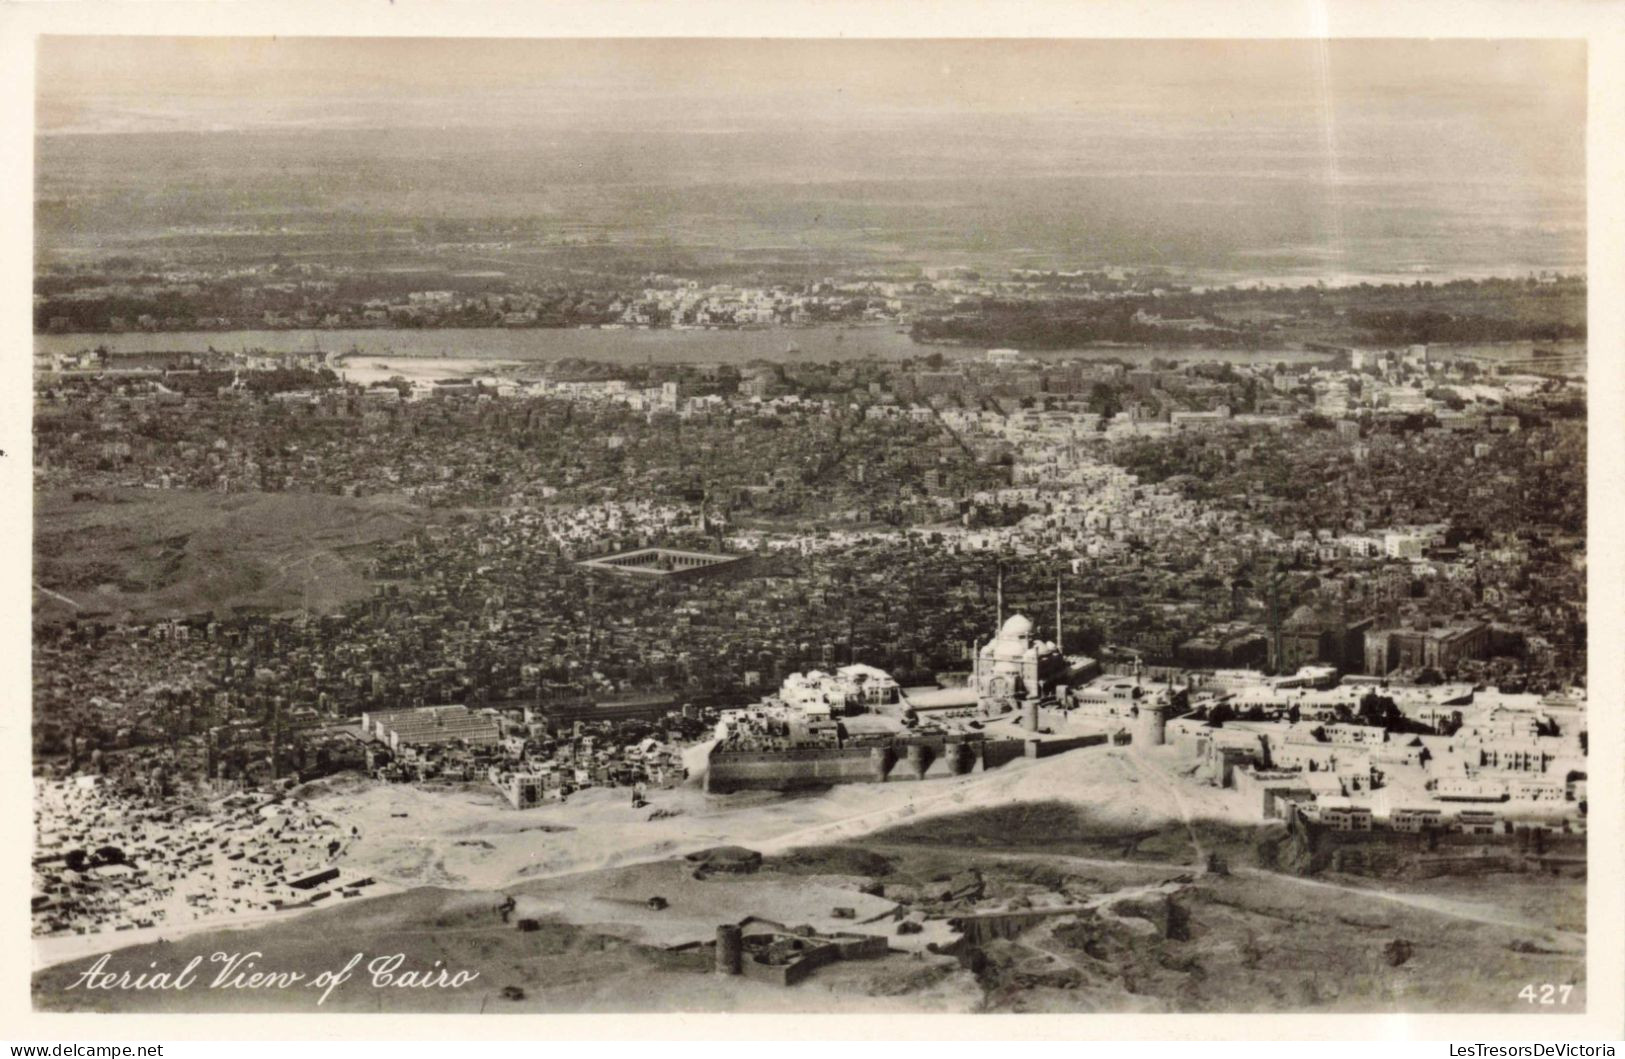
<point>1103,401</point>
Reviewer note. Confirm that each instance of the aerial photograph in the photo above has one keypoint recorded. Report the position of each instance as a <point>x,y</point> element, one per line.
<point>809,525</point>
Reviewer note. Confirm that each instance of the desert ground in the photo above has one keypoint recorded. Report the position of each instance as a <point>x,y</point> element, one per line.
<point>470,838</point>
<point>1120,839</point>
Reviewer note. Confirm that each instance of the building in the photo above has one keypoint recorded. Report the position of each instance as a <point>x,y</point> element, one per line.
<point>1396,545</point>
<point>1120,698</point>
<point>1415,820</point>
<point>431,725</point>
<point>1231,644</point>
<point>1015,666</point>
<point>1308,637</point>
<point>1441,647</point>
<point>1346,817</point>
<point>867,687</point>
<point>523,790</point>
<point>850,689</point>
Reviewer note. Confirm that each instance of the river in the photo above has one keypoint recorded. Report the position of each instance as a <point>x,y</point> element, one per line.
<point>811,344</point>
<point>529,344</point>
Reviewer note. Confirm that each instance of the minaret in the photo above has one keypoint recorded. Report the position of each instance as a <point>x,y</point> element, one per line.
<point>590,628</point>
<point>276,738</point>
<point>1000,624</point>
<point>1058,646</point>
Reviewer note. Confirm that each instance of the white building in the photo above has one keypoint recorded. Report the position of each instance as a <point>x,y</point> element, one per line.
<point>850,689</point>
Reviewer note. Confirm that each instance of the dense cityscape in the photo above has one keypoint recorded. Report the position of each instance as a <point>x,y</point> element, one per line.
<point>1194,515</point>
<point>621,567</point>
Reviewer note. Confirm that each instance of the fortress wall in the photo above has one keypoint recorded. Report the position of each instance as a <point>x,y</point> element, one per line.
<point>1050,747</point>
<point>787,770</point>
<point>996,752</point>
<point>927,758</point>
<point>916,761</point>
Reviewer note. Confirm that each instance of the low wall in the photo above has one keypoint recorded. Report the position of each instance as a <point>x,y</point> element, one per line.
<point>1051,747</point>
<point>788,974</point>
<point>840,947</point>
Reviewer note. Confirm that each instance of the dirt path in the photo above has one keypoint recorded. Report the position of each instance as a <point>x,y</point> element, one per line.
<point>56,595</point>
<point>1172,786</point>
<point>902,848</point>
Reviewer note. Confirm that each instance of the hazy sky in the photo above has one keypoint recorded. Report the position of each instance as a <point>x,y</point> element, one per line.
<point>132,83</point>
<point>1374,143</point>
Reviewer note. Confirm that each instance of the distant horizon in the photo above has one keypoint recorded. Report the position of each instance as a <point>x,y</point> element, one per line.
<point>1238,158</point>
<point>123,83</point>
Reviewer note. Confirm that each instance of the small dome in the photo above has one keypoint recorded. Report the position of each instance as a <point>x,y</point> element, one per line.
<point>1016,627</point>
<point>1304,617</point>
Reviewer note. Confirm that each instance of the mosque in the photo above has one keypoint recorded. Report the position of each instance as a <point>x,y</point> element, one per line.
<point>1015,667</point>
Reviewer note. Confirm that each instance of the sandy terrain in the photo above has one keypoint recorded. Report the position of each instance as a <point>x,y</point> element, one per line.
<point>1092,832</point>
<point>616,902</point>
<point>472,839</point>
<point>469,838</point>
<point>1246,943</point>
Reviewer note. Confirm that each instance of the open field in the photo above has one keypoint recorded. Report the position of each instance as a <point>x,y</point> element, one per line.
<point>144,555</point>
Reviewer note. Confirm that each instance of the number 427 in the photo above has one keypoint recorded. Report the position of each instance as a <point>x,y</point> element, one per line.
<point>1547,994</point>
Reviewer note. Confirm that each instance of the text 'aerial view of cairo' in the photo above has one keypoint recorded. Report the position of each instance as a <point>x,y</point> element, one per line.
<point>809,526</point>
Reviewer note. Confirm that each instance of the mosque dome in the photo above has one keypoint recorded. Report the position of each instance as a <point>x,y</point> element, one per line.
<point>1016,627</point>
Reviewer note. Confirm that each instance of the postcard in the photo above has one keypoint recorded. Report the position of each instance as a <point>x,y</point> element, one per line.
<point>533,521</point>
